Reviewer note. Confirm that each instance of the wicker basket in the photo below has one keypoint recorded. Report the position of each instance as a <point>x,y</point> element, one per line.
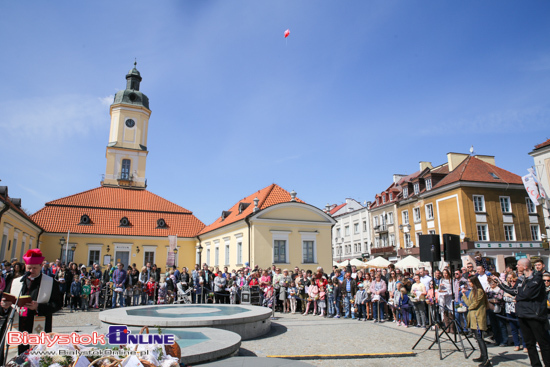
<point>112,362</point>
<point>173,350</point>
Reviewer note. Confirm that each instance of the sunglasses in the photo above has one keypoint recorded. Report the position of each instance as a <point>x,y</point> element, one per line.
<point>548,280</point>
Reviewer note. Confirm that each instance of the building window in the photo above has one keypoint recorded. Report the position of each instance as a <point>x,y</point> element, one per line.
<point>67,256</point>
<point>383,199</point>
<point>405,215</point>
<point>531,209</point>
<point>279,251</point>
<point>428,184</point>
<point>217,256</point>
<point>482,232</point>
<point>239,253</point>
<point>125,171</point>
<point>392,240</point>
<point>364,226</point>
<point>149,257</point>
<point>479,203</point>
<point>405,192</point>
<point>391,196</point>
<point>227,255</point>
<point>390,217</point>
<point>308,250</point>
<point>509,233</point>
<point>346,230</point>
<point>418,234</point>
<point>355,228</point>
<point>416,188</point>
<point>416,213</point>
<point>376,242</point>
<point>431,231</point>
<point>407,237</point>
<point>429,211</point>
<point>535,232</point>
<point>208,257</point>
<point>338,232</point>
<point>375,221</point>
<point>505,204</point>
<point>93,257</point>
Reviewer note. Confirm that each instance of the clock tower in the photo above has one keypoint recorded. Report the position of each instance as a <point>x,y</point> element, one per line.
<point>127,149</point>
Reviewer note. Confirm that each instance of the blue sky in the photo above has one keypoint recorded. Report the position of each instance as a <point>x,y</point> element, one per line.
<point>359,91</point>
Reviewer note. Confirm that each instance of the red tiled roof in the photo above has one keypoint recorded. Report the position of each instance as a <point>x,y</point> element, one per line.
<point>268,196</point>
<point>475,170</point>
<point>107,205</point>
<point>542,145</point>
<point>337,208</point>
<point>60,219</point>
<point>442,170</point>
<point>120,198</point>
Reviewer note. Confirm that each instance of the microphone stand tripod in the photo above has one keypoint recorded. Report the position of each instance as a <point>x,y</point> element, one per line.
<point>436,323</point>
<point>9,324</point>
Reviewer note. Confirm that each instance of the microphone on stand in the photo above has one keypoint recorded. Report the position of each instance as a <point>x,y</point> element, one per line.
<point>25,276</point>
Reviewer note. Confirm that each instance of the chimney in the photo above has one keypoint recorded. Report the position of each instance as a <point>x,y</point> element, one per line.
<point>424,165</point>
<point>256,201</point>
<point>16,202</point>
<point>486,158</point>
<point>455,159</point>
<point>397,177</point>
<point>4,191</point>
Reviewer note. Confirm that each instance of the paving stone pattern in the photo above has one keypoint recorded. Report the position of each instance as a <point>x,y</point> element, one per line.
<point>299,335</point>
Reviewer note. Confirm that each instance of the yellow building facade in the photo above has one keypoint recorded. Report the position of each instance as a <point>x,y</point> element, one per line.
<point>19,232</point>
<point>484,204</point>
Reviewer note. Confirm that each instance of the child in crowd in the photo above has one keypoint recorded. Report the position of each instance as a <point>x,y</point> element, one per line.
<point>330,299</point>
<point>395,306</point>
<point>360,303</point>
<point>86,290</point>
<point>128,293</point>
<point>292,294</point>
<point>138,289</point>
<point>76,291</point>
<point>337,294</point>
<point>150,290</point>
<point>96,290</point>
<point>162,293</point>
<point>322,301</point>
<point>404,306</point>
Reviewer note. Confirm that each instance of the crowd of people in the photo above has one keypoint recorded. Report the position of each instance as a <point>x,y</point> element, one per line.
<point>478,299</point>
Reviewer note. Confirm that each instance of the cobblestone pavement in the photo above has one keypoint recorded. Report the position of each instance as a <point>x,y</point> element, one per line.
<point>309,335</point>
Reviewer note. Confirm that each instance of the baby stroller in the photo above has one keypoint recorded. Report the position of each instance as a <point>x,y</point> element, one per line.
<point>183,296</point>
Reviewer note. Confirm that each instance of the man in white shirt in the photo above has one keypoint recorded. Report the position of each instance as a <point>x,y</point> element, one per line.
<point>482,277</point>
<point>426,278</point>
<point>353,272</point>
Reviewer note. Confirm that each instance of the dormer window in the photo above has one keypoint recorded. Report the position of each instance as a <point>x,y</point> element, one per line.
<point>405,192</point>
<point>124,222</point>
<point>85,219</point>
<point>391,196</point>
<point>416,187</point>
<point>428,184</point>
<point>161,223</point>
<point>243,206</point>
<point>225,214</point>
<point>384,199</point>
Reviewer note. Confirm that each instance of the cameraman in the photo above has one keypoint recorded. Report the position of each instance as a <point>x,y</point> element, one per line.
<point>532,312</point>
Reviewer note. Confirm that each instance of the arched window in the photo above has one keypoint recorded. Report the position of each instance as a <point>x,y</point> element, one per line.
<point>125,172</point>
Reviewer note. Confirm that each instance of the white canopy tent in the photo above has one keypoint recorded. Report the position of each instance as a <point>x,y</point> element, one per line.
<point>410,262</point>
<point>378,262</point>
<point>352,262</point>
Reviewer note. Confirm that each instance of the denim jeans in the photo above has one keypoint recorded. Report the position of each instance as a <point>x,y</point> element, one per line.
<point>120,296</point>
<point>460,318</point>
<point>347,310</point>
<point>136,300</point>
<point>362,311</point>
<point>498,325</point>
<point>516,331</point>
<point>375,307</point>
<point>331,308</point>
<point>337,301</point>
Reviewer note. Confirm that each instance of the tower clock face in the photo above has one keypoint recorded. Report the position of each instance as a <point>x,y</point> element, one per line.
<point>130,123</point>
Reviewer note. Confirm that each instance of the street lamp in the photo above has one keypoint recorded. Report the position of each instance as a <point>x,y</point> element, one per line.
<point>200,254</point>
<point>62,243</point>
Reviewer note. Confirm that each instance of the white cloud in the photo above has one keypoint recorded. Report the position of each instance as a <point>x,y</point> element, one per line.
<point>57,117</point>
